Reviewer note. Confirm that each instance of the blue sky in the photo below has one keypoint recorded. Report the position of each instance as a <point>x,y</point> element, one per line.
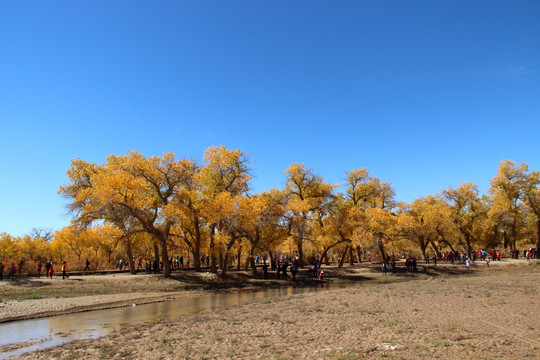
<point>424,94</point>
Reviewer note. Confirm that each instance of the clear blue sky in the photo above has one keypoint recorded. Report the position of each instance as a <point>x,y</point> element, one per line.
<point>424,94</point>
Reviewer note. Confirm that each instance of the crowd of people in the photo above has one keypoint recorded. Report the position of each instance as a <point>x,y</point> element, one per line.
<point>49,269</point>
<point>282,265</point>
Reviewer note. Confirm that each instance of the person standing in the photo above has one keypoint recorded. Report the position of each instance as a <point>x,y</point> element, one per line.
<point>51,270</point>
<point>64,270</point>
<point>48,266</point>
<point>38,269</point>
<point>293,272</point>
<point>86,265</point>
<point>265,271</point>
<point>12,270</point>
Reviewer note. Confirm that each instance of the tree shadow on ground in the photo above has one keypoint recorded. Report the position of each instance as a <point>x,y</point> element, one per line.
<point>28,282</point>
<point>364,272</point>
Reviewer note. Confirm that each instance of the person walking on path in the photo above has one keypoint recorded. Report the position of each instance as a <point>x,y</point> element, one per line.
<point>86,265</point>
<point>64,270</point>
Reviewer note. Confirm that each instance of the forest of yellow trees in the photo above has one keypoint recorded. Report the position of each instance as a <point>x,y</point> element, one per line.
<point>133,206</point>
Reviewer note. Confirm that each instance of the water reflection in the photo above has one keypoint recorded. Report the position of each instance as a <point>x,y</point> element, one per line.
<point>53,331</point>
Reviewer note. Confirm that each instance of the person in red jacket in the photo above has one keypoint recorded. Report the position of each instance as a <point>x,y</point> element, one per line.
<point>38,269</point>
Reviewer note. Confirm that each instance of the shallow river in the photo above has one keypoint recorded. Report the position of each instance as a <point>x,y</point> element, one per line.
<point>46,332</point>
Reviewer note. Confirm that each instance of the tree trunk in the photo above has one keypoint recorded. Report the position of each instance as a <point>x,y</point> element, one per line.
<point>380,245</point>
<point>446,242</point>
<point>537,234</point>
<point>213,264</point>
<point>253,265</point>
<point>381,250</point>
<point>239,257</point>
<point>423,246</point>
<point>359,254</point>
<point>197,245</point>
<point>129,255</point>
<point>342,260</point>
<point>156,250</point>
<point>435,248</point>
<point>300,254</point>
<point>514,231</point>
<point>468,242</point>
<point>324,255</point>
<point>165,257</point>
<point>351,256</point>
<point>223,260</point>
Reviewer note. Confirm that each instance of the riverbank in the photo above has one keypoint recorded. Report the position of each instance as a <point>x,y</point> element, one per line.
<point>483,314</point>
<point>447,313</point>
<point>29,297</point>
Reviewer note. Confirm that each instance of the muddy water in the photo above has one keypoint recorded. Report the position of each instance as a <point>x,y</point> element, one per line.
<point>32,335</point>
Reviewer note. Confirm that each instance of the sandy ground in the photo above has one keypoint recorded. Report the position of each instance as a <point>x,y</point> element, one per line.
<point>444,314</point>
